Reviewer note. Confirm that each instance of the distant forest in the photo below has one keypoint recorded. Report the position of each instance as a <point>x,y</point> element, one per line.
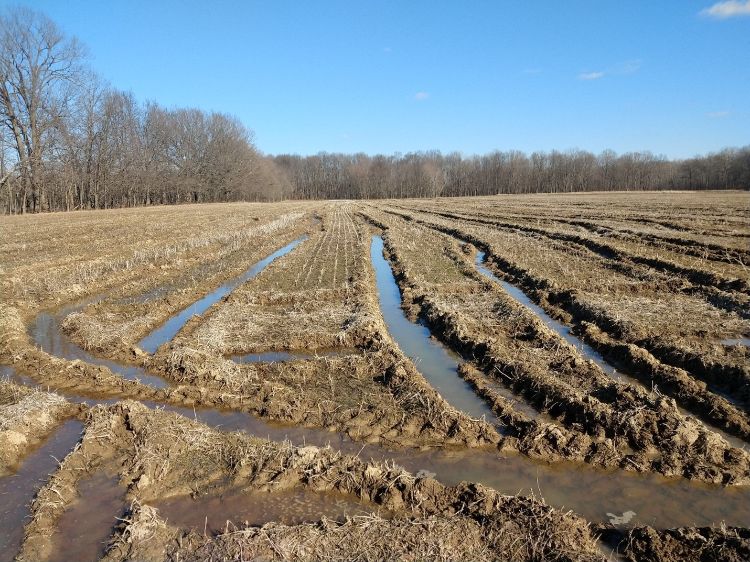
<point>69,141</point>
<point>431,174</point>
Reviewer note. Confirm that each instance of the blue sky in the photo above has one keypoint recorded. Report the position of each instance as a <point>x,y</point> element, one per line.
<point>400,76</point>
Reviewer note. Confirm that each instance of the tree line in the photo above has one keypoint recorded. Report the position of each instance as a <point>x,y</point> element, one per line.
<point>69,141</point>
<point>432,174</point>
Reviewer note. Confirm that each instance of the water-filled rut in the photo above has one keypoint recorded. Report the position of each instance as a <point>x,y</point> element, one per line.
<point>49,337</point>
<point>656,500</point>
<point>18,489</point>
<point>561,329</point>
<point>438,364</point>
<point>167,331</point>
<point>597,495</point>
<point>288,507</point>
<point>586,350</point>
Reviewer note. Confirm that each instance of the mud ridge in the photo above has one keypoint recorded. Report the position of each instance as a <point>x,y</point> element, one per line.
<point>692,395</point>
<point>143,443</point>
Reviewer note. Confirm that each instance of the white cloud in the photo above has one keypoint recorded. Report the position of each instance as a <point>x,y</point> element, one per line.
<point>717,114</point>
<point>421,96</point>
<point>387,50</point>
<point>728,9</point>
<point>590,75</point>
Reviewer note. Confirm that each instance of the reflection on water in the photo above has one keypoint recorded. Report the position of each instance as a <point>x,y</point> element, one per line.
<point>437,364</point>
<point>50,338</point>
<point>227,420</point>
<point>589,492</point>
<point>18,489</point>
<point>736,341</point>
<point>86,525</point>
<point>256,508</point>
<point>564,331</point>
<point>519,404</point>
<point>589,352</point>
<point>169,329</point>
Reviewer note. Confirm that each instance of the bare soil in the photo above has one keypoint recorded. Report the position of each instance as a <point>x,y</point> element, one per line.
<point>158,454</point>
<point>27,416</point>
<point>656,283</point>
<point>603,422</point>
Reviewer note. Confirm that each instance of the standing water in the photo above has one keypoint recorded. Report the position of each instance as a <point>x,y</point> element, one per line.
<point>50,338</point>
<point>256,508</point>
<point>583,348</point>
<point>564,331</point>
<point>86,525</point>
<point>597,495</point>
<point>438,365</point>
<point>169,329</point>
<point>18,489</point>
<point>736,341</point>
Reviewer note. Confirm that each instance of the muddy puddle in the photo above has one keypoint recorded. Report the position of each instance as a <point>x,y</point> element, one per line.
<point>50,338</point>
<point>284,356</point>
<point>592,493</point>
<point>227,420</point>
<point>589,492</point>
<point>86,525</point>
<point>256,508</point>
<point>438,364</point>
<point>18,489</point>
<point>169,329</point>
<point>599,496</point>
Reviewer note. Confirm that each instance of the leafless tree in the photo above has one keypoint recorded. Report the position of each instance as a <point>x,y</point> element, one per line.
<point>69,141</point>
<point>37,66</point>
<point>430,174</point>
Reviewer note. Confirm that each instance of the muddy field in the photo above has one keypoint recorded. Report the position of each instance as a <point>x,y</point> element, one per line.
<point>519,378</point>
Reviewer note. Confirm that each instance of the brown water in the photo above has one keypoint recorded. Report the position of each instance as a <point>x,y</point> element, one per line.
<point>256,508</point>
<point>18,489</point>
<point>590,492</point>
<point>84,529</point>
<point>51,339</point>
<point>597,495</point>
